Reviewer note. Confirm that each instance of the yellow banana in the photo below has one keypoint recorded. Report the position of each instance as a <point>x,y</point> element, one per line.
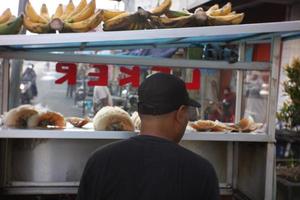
<point>79,8</point>
<point>31,13</point>
<point>162,8</point>
<point>12,26</point>
<point>174,13</point>
<point>141,26</point>
<point>214,7</point>
<point>137,26</point>
<point>69,9</point>
<point>177,22</point>
<point>226,9</point>
<point>85,25</point>
<point>44,12</point>
<point>226,20</point>
<point>238,19</point>
<point>149,25</point>
<point>131,26</point>
<point>88,11</point>
<point>120,22</point>
<point>59,11</point>
<point>108,14</point>
<point>5,16</point>
<point>36,27</point>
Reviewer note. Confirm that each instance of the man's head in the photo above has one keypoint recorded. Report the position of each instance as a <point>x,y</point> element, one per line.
<point>163,106</point>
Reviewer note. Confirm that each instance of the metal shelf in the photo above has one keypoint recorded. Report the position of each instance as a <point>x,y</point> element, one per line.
<point>148,38</point>
<point>91,134</point>
<point>25,188</point>
<point>135,60</point>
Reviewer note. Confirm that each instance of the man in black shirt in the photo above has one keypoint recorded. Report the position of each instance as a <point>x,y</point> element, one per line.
<point>152,166</point>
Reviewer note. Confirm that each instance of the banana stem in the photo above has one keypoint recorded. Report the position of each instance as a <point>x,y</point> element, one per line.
<point>57,24</point>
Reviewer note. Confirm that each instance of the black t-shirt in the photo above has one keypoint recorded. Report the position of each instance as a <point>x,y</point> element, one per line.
<point>147,168</point>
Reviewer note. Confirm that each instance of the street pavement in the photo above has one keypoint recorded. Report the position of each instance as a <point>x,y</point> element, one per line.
<point>51,95</point>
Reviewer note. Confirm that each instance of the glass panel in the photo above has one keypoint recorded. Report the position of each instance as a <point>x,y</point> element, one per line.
<point>216,91</point>
<point>1,85</point>
<point>255,95</point>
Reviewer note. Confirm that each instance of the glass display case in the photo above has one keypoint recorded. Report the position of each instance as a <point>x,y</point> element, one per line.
<point>51,161</point>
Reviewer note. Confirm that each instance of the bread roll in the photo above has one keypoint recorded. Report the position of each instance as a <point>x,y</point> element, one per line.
<point>47,120</point>
<point>202,125</point>
<point>77,121</point>
<point>18,117</point>
<point>111,118</point>
<point>136,120</point>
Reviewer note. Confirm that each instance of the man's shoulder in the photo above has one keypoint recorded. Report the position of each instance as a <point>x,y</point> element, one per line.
<point>133,146</point>
<point>110,147</point>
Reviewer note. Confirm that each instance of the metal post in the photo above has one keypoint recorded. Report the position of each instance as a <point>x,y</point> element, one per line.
<point>270,183</point>
<point>230,163</point>
<point>1,85</point>
<point>233,147</point>
<point>21,9</point>
<point>4,107</point>
<point>273,85</point>
<point>239,84</point>
<point>270,172</point>
<point>5,85</point>
<point>16,69</point>
<point>235,165</point>
<point>202,93</point>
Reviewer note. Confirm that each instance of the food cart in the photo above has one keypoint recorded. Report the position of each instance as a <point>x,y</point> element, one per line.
<point>51,161</point>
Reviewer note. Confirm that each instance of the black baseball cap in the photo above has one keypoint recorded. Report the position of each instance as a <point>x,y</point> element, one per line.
<point>163,93</point>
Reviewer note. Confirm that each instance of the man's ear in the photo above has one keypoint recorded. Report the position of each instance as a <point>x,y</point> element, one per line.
<point>181,113</point>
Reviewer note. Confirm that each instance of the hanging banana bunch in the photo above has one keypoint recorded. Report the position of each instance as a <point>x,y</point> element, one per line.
<point>9,24</point>
<point>224,15</point>
<point>213,16</point>
<point>80,18</point>
<point>162,8</point>
<point>142,19</point>
<point>120,20</point>
<point>109,14</point>
<point>128,21</point>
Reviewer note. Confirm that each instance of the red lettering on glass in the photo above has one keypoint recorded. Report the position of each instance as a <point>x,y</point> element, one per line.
<point>70,71</point>
<point>196,80</point>
<point>166,70</point>
<point>102,75</point>
<point>133,76</point>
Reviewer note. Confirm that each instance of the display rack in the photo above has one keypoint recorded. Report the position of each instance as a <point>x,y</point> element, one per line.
<point>91,134</point>
<point>232,153</point>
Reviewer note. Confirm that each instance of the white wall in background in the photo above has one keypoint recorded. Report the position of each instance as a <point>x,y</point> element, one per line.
<point>13,5</point>
<point>290,49</point>
<point>131,5</point>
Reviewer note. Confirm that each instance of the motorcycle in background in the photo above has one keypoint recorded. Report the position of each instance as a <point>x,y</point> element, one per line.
<point>28,89</point>
<point>26,94</point>
<point>130,102</point>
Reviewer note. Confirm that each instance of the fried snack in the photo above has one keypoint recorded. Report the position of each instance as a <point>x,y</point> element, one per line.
<point>47,120</point>
<point>77,121</point>
<point>111,118</point>
<point>203,125</point>
<point>136,120</point>
<point>246,125</point>
<point>221,127</point>
<point>189,127</point>
<point>18,117</point>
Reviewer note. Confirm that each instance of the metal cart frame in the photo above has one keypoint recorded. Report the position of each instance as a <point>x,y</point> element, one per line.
<point>238,145</point>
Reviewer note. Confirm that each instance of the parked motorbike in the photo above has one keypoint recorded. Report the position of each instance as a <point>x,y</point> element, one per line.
<point>28,88</point>
<point>131,100</point>
<point>26,94</point>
